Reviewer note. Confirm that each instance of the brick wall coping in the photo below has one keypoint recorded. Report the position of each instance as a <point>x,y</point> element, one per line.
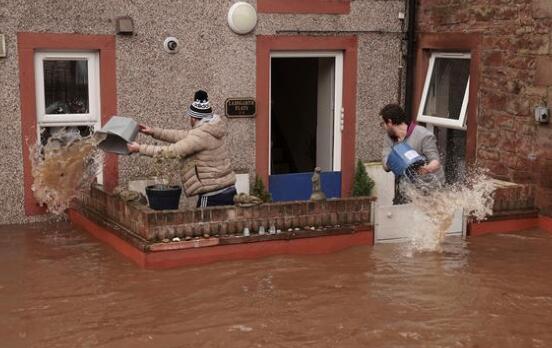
<point>512,199</point>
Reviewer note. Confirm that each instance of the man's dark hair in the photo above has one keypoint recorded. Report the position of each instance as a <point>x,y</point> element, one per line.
<point>395,113</point>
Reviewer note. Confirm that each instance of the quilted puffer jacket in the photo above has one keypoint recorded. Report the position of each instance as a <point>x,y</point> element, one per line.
<point>205,164</point>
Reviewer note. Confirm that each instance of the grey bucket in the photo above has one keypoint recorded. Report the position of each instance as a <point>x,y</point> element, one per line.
<point>119,132</point>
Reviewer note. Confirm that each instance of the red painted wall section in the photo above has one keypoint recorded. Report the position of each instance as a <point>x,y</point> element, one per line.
<point>251,251</point>
<point>304,6</point>
<point>104,235</point>
<point>27,44</point>
<point>545,223</point>
<point>512,225</point>
<point>502,226</point>
<point>347,44</point>
<point>206,255</point>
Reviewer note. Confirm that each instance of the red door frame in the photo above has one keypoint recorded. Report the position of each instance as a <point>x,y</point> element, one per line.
<point>349,46</point>
<point>27,44</point>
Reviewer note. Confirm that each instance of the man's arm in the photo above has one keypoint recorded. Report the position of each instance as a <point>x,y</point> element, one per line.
<point>185,147</point>
<point>168,135</point>
<point>430,151</point>
<point>387,145</point>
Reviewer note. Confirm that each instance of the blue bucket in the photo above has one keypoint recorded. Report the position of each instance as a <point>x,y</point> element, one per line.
<point>402,157</point>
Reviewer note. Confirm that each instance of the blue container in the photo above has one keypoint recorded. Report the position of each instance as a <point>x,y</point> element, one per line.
<point>402,157</point>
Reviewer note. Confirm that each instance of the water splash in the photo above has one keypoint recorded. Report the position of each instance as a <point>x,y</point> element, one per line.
<point>64,168</point>
<point>436,206</point>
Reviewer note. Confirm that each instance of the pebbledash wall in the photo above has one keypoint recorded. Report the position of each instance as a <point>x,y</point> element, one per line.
<point>156,87</point>
<point>511,46</point>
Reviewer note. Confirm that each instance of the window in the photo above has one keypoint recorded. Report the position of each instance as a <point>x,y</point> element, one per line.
<point>445,94</point>
<point>67,95</point>
<point>67,89</point>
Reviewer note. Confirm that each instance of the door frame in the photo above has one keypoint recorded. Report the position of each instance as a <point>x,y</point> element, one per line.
<point>27,44</point>
<point>338,99</point>
<point>266,45</point>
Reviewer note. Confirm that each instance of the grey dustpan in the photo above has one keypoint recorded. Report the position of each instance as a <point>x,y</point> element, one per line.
<point>119,131</point>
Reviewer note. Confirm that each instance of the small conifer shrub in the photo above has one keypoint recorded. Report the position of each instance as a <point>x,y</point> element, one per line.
<point>362,183</point>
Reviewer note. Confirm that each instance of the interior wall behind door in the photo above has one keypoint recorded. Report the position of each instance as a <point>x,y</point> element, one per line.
<point>294,87</point>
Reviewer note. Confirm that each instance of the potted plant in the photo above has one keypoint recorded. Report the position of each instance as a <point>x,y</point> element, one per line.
<point>166,193</point>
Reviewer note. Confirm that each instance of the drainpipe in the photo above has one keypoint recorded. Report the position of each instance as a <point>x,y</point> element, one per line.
<point>410,56</point>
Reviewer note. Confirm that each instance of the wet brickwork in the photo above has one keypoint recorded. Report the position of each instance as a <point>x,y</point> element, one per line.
<point>515,77</point>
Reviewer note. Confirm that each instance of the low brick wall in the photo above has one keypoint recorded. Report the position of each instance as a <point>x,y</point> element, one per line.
<point>513,200</point>
<point>153,226</point>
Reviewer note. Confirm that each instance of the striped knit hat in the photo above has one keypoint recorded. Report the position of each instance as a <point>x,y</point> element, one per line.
<point>200,107</point>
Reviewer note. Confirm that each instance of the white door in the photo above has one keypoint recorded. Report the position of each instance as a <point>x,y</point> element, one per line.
<point>394,223</point>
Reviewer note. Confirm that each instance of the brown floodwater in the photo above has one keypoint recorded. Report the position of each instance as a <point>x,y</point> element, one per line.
<point>60,287</point>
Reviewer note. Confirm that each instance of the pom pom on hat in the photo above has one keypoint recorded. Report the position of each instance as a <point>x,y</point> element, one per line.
<point>200,107</point>
<point>201,95</point>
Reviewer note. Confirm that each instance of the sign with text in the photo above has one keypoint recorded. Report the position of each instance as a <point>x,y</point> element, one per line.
<point>240,107</point>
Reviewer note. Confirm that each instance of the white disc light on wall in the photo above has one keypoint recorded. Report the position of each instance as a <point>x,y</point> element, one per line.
<point>242,17</point>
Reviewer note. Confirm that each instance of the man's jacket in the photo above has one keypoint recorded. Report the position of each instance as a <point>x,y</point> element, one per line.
<point>205,162</point>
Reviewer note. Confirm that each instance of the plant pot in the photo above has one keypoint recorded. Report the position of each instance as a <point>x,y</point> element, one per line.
<point>163,197</point>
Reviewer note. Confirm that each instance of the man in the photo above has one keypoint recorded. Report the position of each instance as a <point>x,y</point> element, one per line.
<point>205,164</point>
<point>398,129</point>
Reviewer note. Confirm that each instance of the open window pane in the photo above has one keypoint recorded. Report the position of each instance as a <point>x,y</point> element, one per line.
<point>66,87</point>
<point>447,88</point>
<point>445,96</point>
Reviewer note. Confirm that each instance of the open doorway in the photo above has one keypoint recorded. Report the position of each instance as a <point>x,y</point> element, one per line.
<point>305,123</point>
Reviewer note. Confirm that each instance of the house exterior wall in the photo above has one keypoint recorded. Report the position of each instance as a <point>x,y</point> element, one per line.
<point>155,87</point>
<point>515,76</point>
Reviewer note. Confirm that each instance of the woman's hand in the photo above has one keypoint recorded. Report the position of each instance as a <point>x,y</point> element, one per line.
<point>133,147</point>
<point>145,129</point>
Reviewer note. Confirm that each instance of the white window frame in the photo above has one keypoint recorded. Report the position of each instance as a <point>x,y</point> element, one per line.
<point>92,118</point>
<point>338,98</point>
<point>440,121</point>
